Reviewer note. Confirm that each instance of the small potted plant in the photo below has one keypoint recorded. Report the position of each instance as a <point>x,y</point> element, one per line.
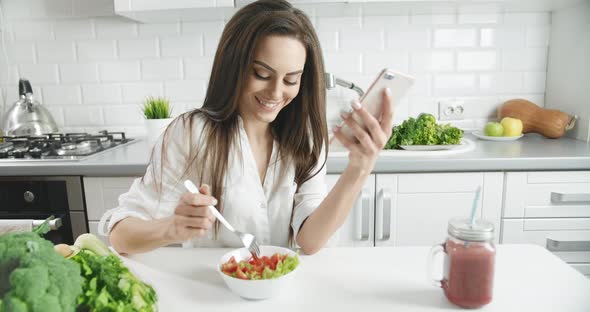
<point>156,111</point>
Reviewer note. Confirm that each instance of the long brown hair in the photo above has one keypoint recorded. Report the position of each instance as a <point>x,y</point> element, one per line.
<point>300,128</point>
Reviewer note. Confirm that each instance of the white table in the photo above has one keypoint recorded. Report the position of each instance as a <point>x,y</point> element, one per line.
<point>528,278</point>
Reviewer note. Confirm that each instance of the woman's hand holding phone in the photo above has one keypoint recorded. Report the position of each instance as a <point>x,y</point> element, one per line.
<point>370,137</point>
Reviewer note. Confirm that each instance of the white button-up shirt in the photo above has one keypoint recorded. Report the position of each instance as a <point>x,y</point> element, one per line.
<point>250,206</point>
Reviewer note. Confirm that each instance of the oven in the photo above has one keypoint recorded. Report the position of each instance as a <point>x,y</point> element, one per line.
<point>37,198</point>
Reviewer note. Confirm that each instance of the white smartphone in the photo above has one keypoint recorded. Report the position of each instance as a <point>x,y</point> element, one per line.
<point>372,100</point>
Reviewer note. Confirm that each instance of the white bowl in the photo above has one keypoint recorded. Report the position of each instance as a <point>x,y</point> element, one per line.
<point>256,289</point>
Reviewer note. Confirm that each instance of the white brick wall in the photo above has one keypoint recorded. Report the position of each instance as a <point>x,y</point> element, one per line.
<point>93,68</point>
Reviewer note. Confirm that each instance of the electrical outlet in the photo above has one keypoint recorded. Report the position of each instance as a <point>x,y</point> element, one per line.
<point>450,110</point>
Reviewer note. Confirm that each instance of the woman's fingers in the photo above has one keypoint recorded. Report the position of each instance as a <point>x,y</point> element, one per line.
<point>346,142</point>
<point>361,134</point>
<point>198,199</point>
<point>374,128</point>
<point>387,112</point>
<point>194,222</point>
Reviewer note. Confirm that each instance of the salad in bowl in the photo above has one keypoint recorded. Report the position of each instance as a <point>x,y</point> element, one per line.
<point>258,278</point>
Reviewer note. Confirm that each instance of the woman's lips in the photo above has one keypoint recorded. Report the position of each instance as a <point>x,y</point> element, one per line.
<point>268,106</point>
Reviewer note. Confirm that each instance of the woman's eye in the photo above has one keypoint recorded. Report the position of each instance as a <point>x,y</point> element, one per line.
<point>290,83</point>
<point>259,76</point>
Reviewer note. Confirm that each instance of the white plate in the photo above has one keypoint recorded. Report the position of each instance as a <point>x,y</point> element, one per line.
<point>480,135</point>
<point>429,147</point>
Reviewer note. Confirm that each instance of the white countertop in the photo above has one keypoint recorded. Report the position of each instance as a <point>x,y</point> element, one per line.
<point>528,278</point>
<point>532,152</point>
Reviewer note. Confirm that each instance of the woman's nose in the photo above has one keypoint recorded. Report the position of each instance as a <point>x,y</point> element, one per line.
<point>276,90</point>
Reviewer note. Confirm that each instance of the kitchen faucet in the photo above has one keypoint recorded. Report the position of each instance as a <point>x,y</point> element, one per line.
<point>332,81</point>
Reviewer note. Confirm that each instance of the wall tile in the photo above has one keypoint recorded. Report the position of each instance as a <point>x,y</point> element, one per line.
<point>74,29</point>
<point>138,48</point>
<point>83,116</point>
<point>101,93</point>
<point>138,91</point>
<point>198,68</point>
<point>39,73</point>
<point>183,90</point>
<point>119,71</point>
<point>97,50</point>
<point>476,61</point>
<point>161,70</point>
<point>115,28</point>
<point>20,52</point>
<point>432,61</point>
<point>124,115</point>
<point>185,46</point>
<point>407,38</point>
<point>457,37</point>
<point>534,59</point>
<point>56,52</point>
<point>62,95</point>
<point>360,40</point>
<point>78,73</point>
<point>32,30</point>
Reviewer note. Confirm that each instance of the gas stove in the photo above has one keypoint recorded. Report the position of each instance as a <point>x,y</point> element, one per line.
<point>59,146</point>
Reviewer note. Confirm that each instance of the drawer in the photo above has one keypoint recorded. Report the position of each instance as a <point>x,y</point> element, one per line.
<point>102,194</point>
<point>439,182</point>
<point>547,194</point>
<point>568,240</point>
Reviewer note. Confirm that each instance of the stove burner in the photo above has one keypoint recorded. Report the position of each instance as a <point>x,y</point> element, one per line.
<point>59,146</point>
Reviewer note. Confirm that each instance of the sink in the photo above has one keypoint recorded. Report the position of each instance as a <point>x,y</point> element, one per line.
<point>466,146</point>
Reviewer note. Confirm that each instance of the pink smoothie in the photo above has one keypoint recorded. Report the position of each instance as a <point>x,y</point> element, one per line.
<point>470,278</point>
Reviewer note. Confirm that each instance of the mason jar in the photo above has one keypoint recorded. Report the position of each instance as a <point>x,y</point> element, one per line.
<point>468,267</point>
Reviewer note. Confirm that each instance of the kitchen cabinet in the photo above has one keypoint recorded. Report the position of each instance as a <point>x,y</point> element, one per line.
<point>550,209</point>
<point>358,229</point>
<point>392,209</point>
<point>102,194</point>
<point>414,209</point>
<point>156,11</point>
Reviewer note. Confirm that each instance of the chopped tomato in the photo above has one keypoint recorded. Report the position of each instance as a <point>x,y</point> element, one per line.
<point>240,274</point>
<point>253,268</point>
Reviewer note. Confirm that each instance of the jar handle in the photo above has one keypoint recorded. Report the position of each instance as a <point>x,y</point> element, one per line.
<point>430,264</point>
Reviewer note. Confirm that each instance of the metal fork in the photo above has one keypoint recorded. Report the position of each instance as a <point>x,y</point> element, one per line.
<point>247,239</point>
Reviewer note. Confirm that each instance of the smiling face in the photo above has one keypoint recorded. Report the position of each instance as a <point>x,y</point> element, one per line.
<point>274,79</point>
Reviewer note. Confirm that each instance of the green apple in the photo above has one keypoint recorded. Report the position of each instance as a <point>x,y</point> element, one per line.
<point>512,126</point>
<point>494,129</point>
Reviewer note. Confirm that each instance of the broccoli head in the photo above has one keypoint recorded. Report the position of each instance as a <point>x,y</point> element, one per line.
<point>34,277</point>
<point>423,131</point>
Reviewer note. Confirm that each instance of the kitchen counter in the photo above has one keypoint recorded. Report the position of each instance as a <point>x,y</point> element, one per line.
<point>528,278</point>
<point>532,152</point>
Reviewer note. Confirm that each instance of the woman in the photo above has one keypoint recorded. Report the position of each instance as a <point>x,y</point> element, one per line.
<point>260,141</point>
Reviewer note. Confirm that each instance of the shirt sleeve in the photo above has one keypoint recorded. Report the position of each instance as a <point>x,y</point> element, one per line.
<point>309,195</point>
<point>157,195</point>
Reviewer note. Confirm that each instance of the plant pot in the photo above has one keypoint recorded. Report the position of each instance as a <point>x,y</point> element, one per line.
<point>155,128</point>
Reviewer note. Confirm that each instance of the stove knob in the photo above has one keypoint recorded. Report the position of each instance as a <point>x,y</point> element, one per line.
<point>3,154</point>
<point>29,196</point>
<point>18,154</point>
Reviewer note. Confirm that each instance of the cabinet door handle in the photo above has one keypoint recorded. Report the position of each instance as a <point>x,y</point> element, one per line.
<point>363,206</point>
<point>568,198</point>
<point>366,215</point>
<point>555,245</point>
<point>383,215</point>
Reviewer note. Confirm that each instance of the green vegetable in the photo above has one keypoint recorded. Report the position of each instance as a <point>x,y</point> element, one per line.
<point>283,267</point>
<point>109,286</point>
<point>423,131</point>
<point>92,243</point>
<point>34,277</point>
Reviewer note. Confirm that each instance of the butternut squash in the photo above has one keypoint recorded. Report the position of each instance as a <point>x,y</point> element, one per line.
<point>551,123</point>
